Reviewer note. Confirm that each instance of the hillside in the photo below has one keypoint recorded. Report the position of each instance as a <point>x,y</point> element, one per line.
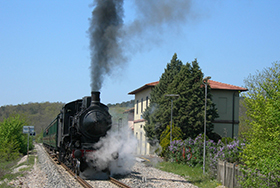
<point>40,115</point>
<point>116,112</point>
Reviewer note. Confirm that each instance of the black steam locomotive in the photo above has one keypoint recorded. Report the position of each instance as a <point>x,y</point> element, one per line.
<point>74,132</point>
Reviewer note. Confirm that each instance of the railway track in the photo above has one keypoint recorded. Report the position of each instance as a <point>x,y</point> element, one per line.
<point>83,183</point>
<point>118,183</point>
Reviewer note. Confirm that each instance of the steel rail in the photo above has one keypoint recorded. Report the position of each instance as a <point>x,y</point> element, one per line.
<point>118,183</point>
<point>78,178</point>
<point>54,159</point>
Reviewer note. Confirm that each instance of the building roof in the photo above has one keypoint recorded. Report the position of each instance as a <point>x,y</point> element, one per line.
<point>152,84</point>
<point>213,84</point>
<point>129,110</point>
<point>222,86</point>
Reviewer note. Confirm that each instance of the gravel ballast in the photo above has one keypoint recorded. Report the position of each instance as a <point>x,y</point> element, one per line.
<point>47,174</point>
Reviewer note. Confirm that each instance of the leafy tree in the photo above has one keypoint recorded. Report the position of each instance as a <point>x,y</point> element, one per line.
<point>261,155</point>
<point>254,83</point>
<point>12,140</point>
<point>188,109</point>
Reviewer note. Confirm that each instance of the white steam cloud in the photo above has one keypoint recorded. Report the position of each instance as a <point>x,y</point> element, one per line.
<point>122,142</point>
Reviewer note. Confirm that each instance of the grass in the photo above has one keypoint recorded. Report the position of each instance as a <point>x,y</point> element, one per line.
<point>5,172</point>
<point>192,174</point>
<point>30,163</point>
<point>6,169</point>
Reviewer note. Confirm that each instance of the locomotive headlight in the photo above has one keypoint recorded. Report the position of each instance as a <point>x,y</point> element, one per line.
<point>77,144</point>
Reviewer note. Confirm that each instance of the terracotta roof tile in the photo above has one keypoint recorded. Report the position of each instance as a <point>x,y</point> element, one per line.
<point>213,84</point>
<point>223,86</point>
<point>152,84</point>
<point>129,110</point>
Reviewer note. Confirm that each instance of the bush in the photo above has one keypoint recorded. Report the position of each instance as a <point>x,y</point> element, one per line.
<point>12,140</point>
<point>165,138</point>
<point>190,152</point>
<point>261,155</point>
<point>226,140</point>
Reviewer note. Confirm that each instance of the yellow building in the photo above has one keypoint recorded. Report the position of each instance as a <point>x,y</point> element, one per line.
<point>225,96</point>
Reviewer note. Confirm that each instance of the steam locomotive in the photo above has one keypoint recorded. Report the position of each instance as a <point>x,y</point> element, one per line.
<point>76,130</point>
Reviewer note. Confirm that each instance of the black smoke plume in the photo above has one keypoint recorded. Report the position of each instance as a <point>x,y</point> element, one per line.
<point>109,36</point>
<point>105,36</point>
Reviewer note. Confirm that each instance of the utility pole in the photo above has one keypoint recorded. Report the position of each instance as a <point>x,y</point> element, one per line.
<point>205,82</point>
<point>171,95</point>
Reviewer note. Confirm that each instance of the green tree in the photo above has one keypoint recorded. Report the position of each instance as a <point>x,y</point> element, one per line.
<point>254,83</point>
<point>12,140</point>
<point>261,155</point>
<point>177,134</point>
<point>156,121</point>
<point>188,109</point>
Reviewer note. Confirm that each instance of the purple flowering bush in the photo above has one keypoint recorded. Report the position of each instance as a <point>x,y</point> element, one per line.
<point>190,152</point>
<point>225,152</point>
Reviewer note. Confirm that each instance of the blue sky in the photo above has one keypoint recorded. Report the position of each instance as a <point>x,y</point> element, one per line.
<point>45,56</point>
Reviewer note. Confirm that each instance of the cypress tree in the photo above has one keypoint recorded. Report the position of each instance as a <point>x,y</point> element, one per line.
<point>188,109</point>
<point>154,114</point>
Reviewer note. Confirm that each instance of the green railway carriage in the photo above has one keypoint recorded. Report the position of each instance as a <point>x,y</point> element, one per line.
<point>50,134</point>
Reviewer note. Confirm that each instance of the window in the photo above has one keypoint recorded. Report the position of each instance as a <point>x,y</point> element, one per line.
<point>137,107</point>
<point>142,105</point>
<point>147,101</point>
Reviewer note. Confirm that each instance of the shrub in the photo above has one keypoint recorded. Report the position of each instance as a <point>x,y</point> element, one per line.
<point>190,152</point>
<point>165,138</point>
<point>12,140</point>
<point>261,155</point>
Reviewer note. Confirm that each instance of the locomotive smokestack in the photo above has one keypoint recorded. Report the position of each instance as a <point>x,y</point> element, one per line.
<point>95,97</point>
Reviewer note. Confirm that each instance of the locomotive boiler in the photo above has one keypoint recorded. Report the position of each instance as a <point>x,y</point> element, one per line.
<point>76,130</point>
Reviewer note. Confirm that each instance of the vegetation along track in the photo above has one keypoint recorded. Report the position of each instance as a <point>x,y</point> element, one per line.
<point>54,158</point>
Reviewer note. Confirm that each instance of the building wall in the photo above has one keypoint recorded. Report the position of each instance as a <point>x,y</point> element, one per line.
<point>142,100</point>
<point>143,146</point>
<point>227,103</point>
<point>141,103</point>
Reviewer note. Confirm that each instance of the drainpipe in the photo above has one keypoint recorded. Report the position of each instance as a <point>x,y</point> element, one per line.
<point>233,107</point>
